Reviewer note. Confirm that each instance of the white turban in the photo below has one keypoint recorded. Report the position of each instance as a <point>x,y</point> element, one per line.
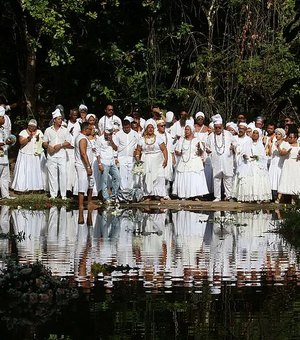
<point>150,122</point>
<point>211,125</point>
<point>199,114</point>
<point>169,116</point>
<point>191,126</point>
<point>251,126</point>
<point>243,124</point>
<point>2,111</point>
<point>217,119</point>
<point>281,131</point>
<point>89,116</point>
<point>130,119</point>
<point>56,113</point>
<point>83,107</point>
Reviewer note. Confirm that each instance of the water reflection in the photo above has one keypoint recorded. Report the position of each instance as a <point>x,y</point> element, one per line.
<point>163,248</point>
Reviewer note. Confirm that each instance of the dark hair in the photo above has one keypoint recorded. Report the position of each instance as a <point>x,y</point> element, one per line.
<point>84,125</point>
<point>292,128</point>
<point>126,122</point>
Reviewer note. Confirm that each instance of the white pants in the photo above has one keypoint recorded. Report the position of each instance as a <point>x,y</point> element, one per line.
<point>227,182</point>
<point>5,179</point>
<point>70,169</point>
<point>126,176</point>
<point>57,172</point>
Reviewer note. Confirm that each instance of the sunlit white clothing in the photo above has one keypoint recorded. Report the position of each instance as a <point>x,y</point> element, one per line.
<point>276,164</point>
<point>113,122</point>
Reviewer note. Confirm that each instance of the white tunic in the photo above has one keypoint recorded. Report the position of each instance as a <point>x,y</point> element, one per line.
<point>221,155</point>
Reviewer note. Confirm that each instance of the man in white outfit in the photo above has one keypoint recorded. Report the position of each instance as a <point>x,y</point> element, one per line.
<point>109,121</point>
<point>221,144</point>
<point>83,158</point>
<point>56,140</point>
<point>4,162</point>
<point>126,140</point>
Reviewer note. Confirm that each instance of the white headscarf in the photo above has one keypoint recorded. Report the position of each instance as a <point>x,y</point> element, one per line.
<point>217,119</point>
<point>89,116</point>
<point>199,114</point>
<point>150,122</point>
<point>169,116</point>
<point>56,113</point>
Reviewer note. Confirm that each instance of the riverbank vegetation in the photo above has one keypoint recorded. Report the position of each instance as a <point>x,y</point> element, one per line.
<point>217,56</point>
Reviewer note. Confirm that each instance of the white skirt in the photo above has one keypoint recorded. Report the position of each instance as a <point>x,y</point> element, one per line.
<point>256,187</point>
<point>275,172</point>
<point>28,173</point>
<point>289,182</point>
<point>190,184</point>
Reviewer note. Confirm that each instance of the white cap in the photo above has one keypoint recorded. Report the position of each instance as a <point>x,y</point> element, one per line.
<point>217,119</point>
<point>56,113</point>
<point>130,119</point>
<point>243,124</point>
<point>169,116</point>
<point>199,114</point>
<point>2,111</point>
<point>32,122</point>
<point>83,107</point>
<point>233,126</point>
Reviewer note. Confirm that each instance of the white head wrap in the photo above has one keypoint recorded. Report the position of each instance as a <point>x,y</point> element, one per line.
<point>130,119</point>
<point>151,122</point>
<point>56,113</point>
<point>243,124</point>
<point>281,131</point>
<point>89,116</point>
<point>2,111</point>
<point>251,126</point>
<point>258,130</point>
<point>32,122</point>
<point>211,125</point>
<point>169,116</point>
<point>233,126</point>
<point>83,107</point>
<point>199,114</point>
<point>191,126</point>
<point>217,119</point>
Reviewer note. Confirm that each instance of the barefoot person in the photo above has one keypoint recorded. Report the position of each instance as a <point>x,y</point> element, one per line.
<point>83,158</point>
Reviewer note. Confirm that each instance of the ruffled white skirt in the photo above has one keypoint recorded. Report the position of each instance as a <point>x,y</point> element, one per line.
<point>30,173</point>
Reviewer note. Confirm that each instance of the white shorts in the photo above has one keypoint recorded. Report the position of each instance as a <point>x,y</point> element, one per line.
<point>85,182</point>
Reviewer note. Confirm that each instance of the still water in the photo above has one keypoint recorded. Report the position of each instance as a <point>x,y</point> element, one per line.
<point>191,274</point>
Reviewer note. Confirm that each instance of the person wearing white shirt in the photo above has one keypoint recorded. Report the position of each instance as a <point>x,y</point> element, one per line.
<point>56,140</point>
<point>109,121</point>
<point>105,151</point>
<point>220,144</point>
<point>126,140</point>
<point>73,128</point>
<point>4,162</point>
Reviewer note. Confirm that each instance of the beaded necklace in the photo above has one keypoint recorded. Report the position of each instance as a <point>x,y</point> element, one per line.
<point>220,149</point>
<point>185,149</point>
<point>151,138</point>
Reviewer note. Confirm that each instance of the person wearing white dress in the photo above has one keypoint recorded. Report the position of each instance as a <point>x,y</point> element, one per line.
<point>56,140</point>
<point>109,121</point>
<point>253,177</point>
<point>190,179</point>
<point>289,183</point>
<point>29,173</point>
<point>153,152</point>
<point>220,145</point>
<point>278,152</point>
<point>126,140</point>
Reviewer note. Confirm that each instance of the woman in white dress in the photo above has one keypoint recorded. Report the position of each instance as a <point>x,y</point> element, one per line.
<point>190,180</point>
<point>153,152</point>
<point>277,150</point>
<point>253,182</point>
<point>289,183</point>
<point>30,168</point>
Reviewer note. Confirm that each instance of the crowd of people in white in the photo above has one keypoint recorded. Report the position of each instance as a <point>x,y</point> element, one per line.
<point>158,158</point>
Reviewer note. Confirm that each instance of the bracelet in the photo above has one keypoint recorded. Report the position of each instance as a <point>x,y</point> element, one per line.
<point>88,167</point>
